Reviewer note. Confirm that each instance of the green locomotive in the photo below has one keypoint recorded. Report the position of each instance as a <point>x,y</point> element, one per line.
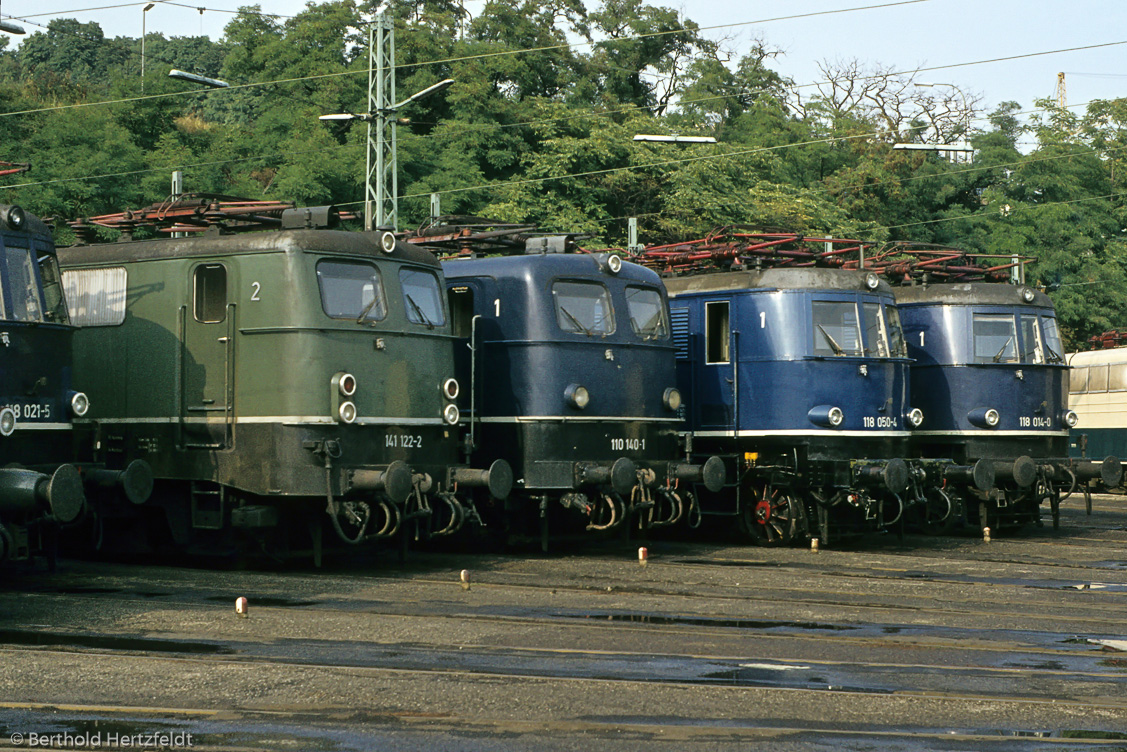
<point>273,379</point>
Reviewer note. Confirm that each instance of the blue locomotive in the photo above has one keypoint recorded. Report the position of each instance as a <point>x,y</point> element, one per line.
<point>990,375</point>
<point>39,488</point>
<point>795,371</point>
<point>568,362</point>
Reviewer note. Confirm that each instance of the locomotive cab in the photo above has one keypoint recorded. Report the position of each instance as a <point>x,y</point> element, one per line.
<point>39,486</point>
<point>799,379</point>
<point>991,378</point>
<point>273,379</point>
<point>567,360</point>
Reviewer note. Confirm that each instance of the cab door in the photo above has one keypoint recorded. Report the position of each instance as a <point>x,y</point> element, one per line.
<point>206,360</point>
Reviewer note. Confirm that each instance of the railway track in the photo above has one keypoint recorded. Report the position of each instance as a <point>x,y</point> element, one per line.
<point>926,644</point>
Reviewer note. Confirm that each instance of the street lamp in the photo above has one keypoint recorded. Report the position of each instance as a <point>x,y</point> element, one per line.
<point>963,146</point>
<point>144,15</point>
<point>675,139</point>
<point>11,28</point>
<point>214,83</point>
<point>382,117</point>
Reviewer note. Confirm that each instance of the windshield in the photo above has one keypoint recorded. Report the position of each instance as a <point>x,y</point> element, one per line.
<point>351,290</point>
<point>56,307</point>
<point>583,307</point>
<point>647,313</point>
<point>995,340</point>
<point>1031,350</point>
<point>1053,346</point>
<point>875,335</point>
<point>422,296</point>
<point>897,346</point>
<point>23,286</point>
<point>836,329</point>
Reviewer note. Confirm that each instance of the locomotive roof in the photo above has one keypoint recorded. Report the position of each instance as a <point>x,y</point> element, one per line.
<point>780,279</point>
<point>366,244</point>
<point>535,266</point>
<point>970,293</point>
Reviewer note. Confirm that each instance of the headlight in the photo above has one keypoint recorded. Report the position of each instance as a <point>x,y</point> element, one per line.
<point>387,242</point>
<point>872,281</point>
<point>614,263</point>
<point>671,399</point>
<point>79,403</point>
<point>916,417</point>
<point>577,396</point>
<point>450,389</point>
<point>346,412</point>
<point>345,383</point>
<point>451,414</point>
<point>984,417</point>
<point>7,421</point>
<point>826,415</point>
<point>1027,294</point>
<point>15,218</point>
<point>1071,419</point>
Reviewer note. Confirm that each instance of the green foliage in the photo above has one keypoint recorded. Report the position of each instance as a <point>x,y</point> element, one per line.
<point>538,128</point>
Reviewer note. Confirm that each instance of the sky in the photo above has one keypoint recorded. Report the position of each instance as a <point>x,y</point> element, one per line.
<point>904,35</point>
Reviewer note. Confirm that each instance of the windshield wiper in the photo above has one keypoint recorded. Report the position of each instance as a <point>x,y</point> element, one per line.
<point>833,344</point>
<point>1053,356</point>
<point>998,355</point>
<point>646,332</point>
<point>576,321</point>
<point>367,309</point>
<point>419,311</point>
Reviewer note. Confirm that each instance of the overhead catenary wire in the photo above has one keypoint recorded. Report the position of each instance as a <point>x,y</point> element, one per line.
<point>484,55</point>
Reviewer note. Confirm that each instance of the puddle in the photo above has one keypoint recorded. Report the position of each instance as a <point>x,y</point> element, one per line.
<point>727,563</point>
<point>108,642</point>
<point>261,600</point>
<point>711,622</point>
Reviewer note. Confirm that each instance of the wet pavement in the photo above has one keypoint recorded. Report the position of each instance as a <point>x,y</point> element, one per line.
<point>887,644</point>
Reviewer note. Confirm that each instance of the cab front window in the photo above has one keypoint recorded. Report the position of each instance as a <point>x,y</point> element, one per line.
<point>1053,346</point>
<point>22,286</point>
<point>837,330</point>
<point>995,338</point>
<point>647,313</point>
<point>1031,350</point>
<point>351,290</point>
<point>422,297</point>
<point>583,308</point>
<point>896,345</point>
<point>876,337</point>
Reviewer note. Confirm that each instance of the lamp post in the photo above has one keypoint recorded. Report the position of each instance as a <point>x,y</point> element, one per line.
<point>381,152</point>
<point>144,15</point>
<point>964,146</point>
<point>11,28</point>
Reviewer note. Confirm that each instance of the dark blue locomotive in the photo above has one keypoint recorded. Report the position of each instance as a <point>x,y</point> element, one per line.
<point>569,367</point>
<point>990,375</point>
<point>796,372</point>
<point>39,489</point>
